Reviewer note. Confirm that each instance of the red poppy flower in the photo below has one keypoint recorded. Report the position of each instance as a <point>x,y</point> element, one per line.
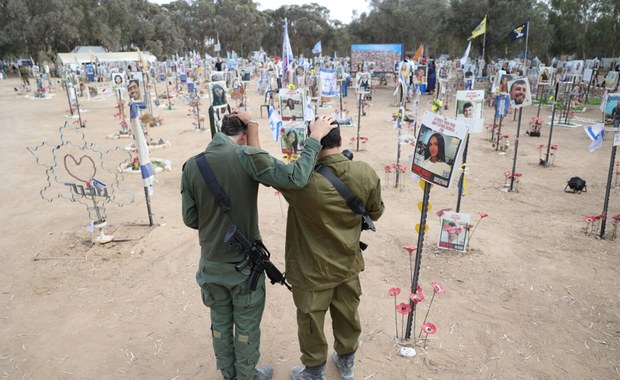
<point>438,287</point>
<point>394,292</point>
<point>588,219</point>
<point>387,169</point>
<point>417,298</point>
<point>429,328</point>
<point>403,308</point>
<point>483,214</point>
<point>410,248</point>
<point>418,289</point>
<point>440,212</point>
<point>554,147</point>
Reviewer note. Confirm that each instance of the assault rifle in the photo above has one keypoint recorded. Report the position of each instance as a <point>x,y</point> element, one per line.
<point>257,256</point>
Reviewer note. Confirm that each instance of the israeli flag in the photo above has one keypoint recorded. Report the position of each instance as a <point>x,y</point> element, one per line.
<point>146,168</point>
<point>309,112</point>
<point>596,134</point>
<point>317,48</point>
<point>275,123</point>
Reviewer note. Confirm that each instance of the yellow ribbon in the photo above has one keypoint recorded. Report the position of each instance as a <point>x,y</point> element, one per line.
<point>464,170</point>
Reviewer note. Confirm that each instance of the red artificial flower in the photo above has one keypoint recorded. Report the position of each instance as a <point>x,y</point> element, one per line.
<point>393,292</point>
<point>429,328</point>
<point>416,298</point>
<point>588,219</point>
<point>410,248</point>
<point>468,226</point>
<point>440,212</point>
<point>387,169</point>
<point>418,289</point>
<point>438,287</point>
<point>483,214</point>
<point>403,308</point>
<point>554,147</point>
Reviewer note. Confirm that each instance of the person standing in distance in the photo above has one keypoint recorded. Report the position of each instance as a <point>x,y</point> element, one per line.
<point>238,165</point>
<point>324,259</point>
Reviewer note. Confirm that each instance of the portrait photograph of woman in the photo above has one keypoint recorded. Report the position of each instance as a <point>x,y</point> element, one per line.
<point>217,92</point>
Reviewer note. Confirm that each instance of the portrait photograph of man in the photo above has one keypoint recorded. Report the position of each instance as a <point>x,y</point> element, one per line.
<point>520,95</point>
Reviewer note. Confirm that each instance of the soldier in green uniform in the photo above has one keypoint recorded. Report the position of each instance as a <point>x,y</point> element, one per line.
<point>239,165</point>
<point>324,259</point>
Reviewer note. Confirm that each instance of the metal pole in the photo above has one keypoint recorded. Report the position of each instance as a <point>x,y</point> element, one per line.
<point>607,190</point>
<point>399,119</point>
<point>462,178</point>
<point>557,88</point>
<point>514,161</point>
<point>147,197</point>
<point>359,120</point>
<point>418,256</point>
<point>77,105</point>
<point>68,97</point>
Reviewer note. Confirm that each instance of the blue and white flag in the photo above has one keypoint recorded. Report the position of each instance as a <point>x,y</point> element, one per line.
<point>287,53</point>
<point>146,168</point>
<point>596,134</point>
<point>329,84</point>
<point>309,112</point>
<point>275,123</point>
<point>317,49</point>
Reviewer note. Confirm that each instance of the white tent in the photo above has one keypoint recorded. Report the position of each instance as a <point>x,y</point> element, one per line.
<point>92,57</point>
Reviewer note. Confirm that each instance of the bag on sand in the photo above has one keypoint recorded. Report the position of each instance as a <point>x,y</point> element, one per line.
<point>576,185</point>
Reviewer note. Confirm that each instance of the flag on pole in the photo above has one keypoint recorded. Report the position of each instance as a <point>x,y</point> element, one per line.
<point>518,32</point>
<point>419,53</point>
<point>275,123</point>
<point>309,111</point>
<point>480,29</point>
<point>217,48</point>
<point>595,133</point>
<point>317,49</point>
<point>146,168</point>
<point>466,55</point>
<point>287,52</point>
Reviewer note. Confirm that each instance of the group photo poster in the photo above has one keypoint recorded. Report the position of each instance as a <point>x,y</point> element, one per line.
<point>292,104</point>
<point>439,148</point>
<point>453,233</point>
<point>469,106</point>
<point>382,55</point>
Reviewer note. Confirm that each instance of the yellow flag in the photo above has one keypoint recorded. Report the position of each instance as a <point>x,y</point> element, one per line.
<point>480,29</point>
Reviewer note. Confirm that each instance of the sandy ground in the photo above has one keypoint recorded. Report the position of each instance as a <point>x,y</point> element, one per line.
<point>534,298</point>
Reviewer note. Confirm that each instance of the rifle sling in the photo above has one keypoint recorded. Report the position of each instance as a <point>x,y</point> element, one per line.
<point>354,203</point>
<point>207,174</point>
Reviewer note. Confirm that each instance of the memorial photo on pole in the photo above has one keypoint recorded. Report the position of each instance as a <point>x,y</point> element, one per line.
<point>439,148</point>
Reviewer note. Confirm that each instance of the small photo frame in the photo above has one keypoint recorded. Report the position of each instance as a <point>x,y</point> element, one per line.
<point>291,104</point>
<point>546,75</point>
<point>469,108</point>
<point>118,80</point>
<point>454,231</point>
<point>293,139</point>
<point>362,82</point>
<point>135,90</point>
<point>438,149</point>
<point>520,94</point>
<point>218,93</point>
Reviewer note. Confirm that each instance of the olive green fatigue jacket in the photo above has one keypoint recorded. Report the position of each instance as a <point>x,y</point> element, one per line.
<point>322,232</point>
<point>238,170</point>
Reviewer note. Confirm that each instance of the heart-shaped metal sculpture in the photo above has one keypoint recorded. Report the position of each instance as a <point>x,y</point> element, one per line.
<point>76,169</point>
